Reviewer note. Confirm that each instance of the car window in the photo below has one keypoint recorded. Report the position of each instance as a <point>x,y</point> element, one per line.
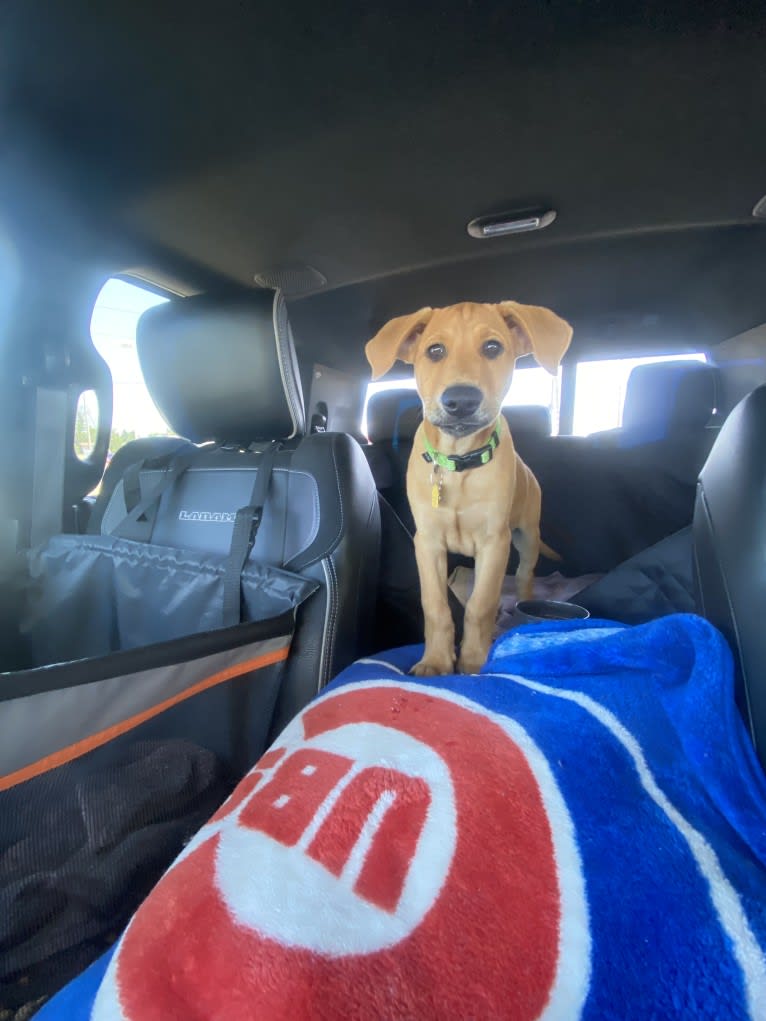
<point>113,329</point>
<point>529,386</point>
<point>600,390</point>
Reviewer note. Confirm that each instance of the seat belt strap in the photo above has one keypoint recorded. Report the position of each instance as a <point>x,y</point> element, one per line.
<point>246,525</point>
<point>125,529</point>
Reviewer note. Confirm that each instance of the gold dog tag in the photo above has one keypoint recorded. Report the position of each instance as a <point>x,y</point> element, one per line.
<point>436,488</point>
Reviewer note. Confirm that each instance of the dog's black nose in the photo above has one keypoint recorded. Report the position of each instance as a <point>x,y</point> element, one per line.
<point>461,401</point>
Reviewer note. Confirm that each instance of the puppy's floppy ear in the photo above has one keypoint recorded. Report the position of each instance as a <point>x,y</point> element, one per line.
<point>541,332</point>
<point>396,340</point>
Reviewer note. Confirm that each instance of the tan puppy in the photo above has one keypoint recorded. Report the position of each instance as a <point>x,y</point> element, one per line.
<point>464,358</point>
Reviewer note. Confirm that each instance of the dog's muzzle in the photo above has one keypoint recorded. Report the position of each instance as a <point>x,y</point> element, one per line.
<point>461,401</point>
<point>457,411</point>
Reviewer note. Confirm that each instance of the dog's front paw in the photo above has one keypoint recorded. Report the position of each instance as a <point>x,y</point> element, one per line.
<point>431,666</point>
<point>471,662</point>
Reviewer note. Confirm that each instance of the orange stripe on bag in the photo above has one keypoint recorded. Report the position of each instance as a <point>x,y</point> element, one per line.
<point>79,748</point>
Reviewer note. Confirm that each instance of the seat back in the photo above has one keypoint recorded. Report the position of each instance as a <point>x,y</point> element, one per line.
<point>384,413</point>
<point>663,400</point>
<point>530,426</point>
<point>610,495</point>
<point>393,417</point>
<point>729,533</point>
<point>528,421</point>
<point>224,375</point>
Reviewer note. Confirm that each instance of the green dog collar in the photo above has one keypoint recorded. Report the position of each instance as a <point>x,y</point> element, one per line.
<point>462,462</point>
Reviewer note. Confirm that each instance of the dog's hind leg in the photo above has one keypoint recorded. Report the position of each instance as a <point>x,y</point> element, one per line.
<point>526,539</point>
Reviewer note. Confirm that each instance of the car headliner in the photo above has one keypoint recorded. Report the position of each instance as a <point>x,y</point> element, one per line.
<point>219,141</point>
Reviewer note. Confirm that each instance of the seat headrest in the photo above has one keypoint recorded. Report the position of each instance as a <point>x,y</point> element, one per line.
<point>528,420</point>
<point>223,369</point>
<point>663,397</point>
<point>410,418</point>
<point>390,415</point>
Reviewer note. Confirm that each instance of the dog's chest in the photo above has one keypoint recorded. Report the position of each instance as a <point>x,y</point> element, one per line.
<point>460,532</point>
<point>456,512</point>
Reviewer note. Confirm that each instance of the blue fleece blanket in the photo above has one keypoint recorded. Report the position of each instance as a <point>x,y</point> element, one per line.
<point>579,832</point>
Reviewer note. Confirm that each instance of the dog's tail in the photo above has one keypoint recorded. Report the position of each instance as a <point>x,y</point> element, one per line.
<point>546,551</point>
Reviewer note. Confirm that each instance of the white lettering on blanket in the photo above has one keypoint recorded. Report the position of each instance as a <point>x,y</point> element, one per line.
<point>347,834</point>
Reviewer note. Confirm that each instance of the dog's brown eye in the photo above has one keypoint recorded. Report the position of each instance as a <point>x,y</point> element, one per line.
<point>436,352</point>
<point>491,348</point>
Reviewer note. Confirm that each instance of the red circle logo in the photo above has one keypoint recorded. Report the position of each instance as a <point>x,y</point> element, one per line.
<point>401,852</point>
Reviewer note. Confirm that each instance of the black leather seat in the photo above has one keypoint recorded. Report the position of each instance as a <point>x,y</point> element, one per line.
<point>393,417</point>
<point>729,533</point>
<point>224,373</point>
<point>385,410</point>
